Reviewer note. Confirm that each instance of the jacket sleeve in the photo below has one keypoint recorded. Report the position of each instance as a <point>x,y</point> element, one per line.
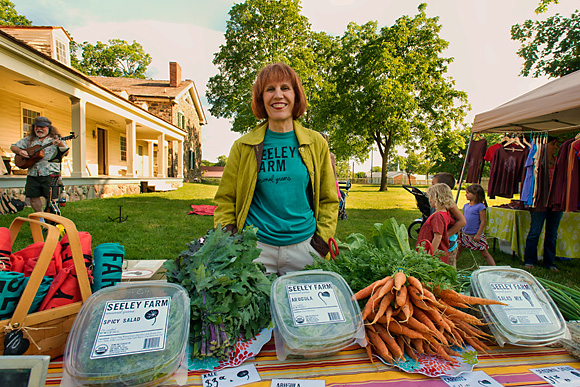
<point>328,197</point>
<point>225,197</point>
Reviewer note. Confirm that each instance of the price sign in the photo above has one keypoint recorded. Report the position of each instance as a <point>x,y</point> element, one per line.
<point>231,377</point>
<point>296,383</point>
<point>471,379</point>
<point>559,375</point>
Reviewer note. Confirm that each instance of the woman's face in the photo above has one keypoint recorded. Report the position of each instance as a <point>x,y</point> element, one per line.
<point>279,100</point>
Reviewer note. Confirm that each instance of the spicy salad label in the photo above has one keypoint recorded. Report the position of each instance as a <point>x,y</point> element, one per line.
<point>132,326</point>
<point>523,307</point>
<point>314,303</point>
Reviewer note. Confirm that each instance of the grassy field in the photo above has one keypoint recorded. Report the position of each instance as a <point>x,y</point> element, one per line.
<point>158,225</point>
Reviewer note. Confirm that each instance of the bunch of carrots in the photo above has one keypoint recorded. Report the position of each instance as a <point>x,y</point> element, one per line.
<point>403,316</point>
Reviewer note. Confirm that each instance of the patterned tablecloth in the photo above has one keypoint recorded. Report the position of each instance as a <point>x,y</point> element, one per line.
<point>508,365</point>
<point>513,226</point>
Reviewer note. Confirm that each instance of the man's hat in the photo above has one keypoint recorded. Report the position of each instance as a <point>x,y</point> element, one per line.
<point>41,121</point>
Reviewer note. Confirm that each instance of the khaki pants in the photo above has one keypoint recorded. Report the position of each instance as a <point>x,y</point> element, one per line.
<point>284,259</point>
<point>453,257</point>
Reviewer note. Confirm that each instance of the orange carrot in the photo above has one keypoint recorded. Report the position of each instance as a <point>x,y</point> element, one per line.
<point>400,279</point>
<point>390,341</point>
<point>409,351</point>
<point>369,290</point>
<point>379,346</point>
<point>384,304</point>
<point>416,325</point>
<point>388,315</point>
<point>368,348</point>
<point>416,283</point>
<point>386,287</point>
<point>407,309</point>
<point>401,329</point>
<point>418,345</point>
<point>441,352</point>
<point>401,296</point>
<point>451,311</point>
<point>369,306</point>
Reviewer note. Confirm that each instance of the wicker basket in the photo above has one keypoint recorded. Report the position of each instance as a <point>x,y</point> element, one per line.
<point>46,330</point>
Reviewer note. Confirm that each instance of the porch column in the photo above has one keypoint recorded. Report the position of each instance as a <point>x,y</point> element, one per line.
<point>161,156</point>
<point>151,160</point>
<point>79,127</point>
<point>131,133</point>
<point>180,159</point>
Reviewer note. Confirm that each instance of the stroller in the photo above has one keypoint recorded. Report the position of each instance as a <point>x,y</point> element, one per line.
<point>423,206</point>
<point>344,187</point>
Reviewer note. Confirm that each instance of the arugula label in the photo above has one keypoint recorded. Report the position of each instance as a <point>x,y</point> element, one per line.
<point>314,303</point>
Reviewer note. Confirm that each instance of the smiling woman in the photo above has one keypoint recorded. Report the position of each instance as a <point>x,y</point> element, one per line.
<point>279,178</point>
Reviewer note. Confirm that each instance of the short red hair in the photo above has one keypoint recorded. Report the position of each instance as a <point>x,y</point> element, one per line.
<point>277,72</point>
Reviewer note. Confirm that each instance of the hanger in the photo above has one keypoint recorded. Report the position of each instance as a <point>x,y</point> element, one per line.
<point>577,136</point>
<point>514,140</point>
<point>526,141</point>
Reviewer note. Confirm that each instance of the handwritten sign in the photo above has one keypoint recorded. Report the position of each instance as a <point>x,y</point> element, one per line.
<point>296,383</point>
<point>471,379</point>
<point>559,375</point>
<point>231,377</point>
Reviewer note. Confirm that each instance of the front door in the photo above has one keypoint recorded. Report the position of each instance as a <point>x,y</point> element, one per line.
<point>102,150</point>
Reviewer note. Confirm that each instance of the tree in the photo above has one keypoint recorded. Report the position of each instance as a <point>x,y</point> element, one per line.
<point>9,16</point>
<point>221,161</point>
<point>543,5</point>
<point>549,47</point>
<point>116,59</point>
<point>342,169</point>
<point>391,89</point>
<point>258,33</point>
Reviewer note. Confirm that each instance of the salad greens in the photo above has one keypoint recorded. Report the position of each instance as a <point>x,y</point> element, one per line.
<point>362,261</point>
<point>230,294</point>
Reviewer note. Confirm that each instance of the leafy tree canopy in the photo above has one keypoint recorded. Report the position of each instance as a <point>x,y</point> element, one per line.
<point>391,87</point>
<point>115,59</point>
<point>549,47</point>
<point>258,33</point>
<point>543,5</point>
<point>9,16</point>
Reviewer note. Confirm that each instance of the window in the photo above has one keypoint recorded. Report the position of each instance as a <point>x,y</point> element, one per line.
<point>140,150</point>
<point>61,52</point>
<point>191,159</point>
<point>28,116</point>
<point>181,120</point>
<point>123,148</point>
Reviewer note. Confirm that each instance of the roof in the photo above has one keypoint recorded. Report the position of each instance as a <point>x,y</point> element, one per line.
<point>152,88</point>
<point>143,87</point>
<point>553,107</point>
<point>5,27</point>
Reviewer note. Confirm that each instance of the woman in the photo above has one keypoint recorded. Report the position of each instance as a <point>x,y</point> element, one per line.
<point>279,178</point>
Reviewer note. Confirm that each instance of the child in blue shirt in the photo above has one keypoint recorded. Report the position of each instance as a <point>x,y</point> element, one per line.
<point>471,235</point>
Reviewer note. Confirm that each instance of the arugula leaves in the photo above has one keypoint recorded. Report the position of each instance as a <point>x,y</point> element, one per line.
<point>230,294</point>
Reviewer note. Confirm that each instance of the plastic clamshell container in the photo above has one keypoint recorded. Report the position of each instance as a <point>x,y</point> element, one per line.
<point>531,317</point>
<point>130,334</point>
<point>315,314</point>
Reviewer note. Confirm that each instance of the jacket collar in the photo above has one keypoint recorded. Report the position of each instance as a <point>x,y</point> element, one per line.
<point>256,136</point>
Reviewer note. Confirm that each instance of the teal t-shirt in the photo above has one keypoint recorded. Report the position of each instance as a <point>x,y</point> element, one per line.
<point>280,207</point>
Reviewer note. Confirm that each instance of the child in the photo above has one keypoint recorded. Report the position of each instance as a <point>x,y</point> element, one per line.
<point>435,228</point>
<point>471,236</point>
<point>457,218</point>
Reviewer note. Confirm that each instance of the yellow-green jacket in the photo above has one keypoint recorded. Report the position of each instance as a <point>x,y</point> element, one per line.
<point>236,190</point>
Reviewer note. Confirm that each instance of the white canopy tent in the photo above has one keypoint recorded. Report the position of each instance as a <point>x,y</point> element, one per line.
<point>551,108</point>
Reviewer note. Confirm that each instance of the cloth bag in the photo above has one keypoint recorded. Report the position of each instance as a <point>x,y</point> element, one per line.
<point>108,268</point>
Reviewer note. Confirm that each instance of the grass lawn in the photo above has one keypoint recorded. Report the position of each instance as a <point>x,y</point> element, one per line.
<point>158,226</point>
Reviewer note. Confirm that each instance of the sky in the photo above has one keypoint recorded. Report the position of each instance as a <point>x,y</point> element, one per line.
<point>190,32</point>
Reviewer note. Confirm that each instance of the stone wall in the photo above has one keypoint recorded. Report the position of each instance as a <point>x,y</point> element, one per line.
<point>75,193</point>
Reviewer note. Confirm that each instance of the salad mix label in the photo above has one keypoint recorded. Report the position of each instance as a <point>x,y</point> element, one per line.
<point>132,326</point>
<point>314,303</point>
<point>523,307</point>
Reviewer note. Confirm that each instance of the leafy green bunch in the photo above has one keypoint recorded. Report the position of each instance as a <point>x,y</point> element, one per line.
<point>362,262</point>
<point>230,294</point>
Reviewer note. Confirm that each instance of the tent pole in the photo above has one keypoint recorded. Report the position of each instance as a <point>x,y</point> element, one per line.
<point>463,169</point>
